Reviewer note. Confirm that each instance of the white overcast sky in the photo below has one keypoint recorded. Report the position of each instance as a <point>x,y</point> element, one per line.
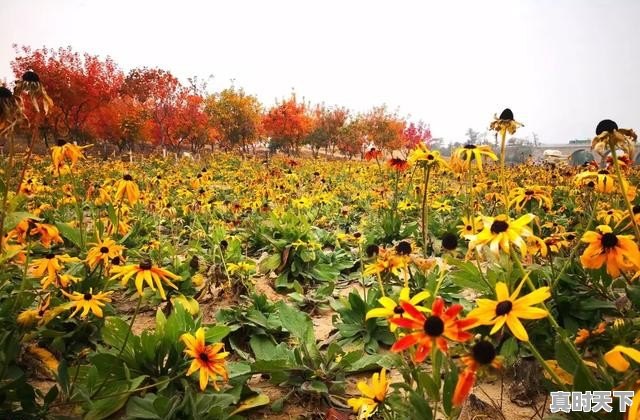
<point>561,65</point>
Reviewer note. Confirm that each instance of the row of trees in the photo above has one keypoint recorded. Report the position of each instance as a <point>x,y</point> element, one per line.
<point>95,101</point>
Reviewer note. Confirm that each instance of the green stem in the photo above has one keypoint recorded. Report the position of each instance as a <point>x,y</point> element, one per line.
<point>425,210</point>
<point>554,376</point>
<point>616,164</point>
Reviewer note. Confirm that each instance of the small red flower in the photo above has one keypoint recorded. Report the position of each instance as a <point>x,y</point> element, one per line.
<point>438,326</point>
<point>398,164</point>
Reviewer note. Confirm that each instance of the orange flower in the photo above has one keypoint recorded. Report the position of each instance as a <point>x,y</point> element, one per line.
<point>483,354</point>
<point>208,359</point>
<point>440,324</point>
<point>618,252</point>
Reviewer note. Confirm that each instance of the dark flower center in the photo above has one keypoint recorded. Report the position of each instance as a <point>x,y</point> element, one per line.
<point>591,184</point>
<point>115,260</point>
<point>204,357</point>
<point>104,250</point>
<point>224,244</point>
<point>146,265</point>
<point>61,142</point>
<point>603,172</point>
<point>30,76</point>
<point>499,226</point>
<point>127,177</point>
<point>469,227</point>
<point>88,296</point>
<point>50,256</point>
<point>5,93</point>
<point>506,115</point>
<point>430,157</point>
<point>403,248</point>
<point>398,310</point>
<point>469,146</point>
<point>636,209</point>
<point>449,241</point>
<point>606,125</point>
<point>571,237</point>
<point>483,352</point>
<point>434,326</point>
<point>372,250</point>
<point>503,307</point>
<point>529,192</point>
<point>609,240</point>
<point>195,262</point>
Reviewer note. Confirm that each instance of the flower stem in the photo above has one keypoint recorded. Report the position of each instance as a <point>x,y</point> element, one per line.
<point>425,211</point>
<point>616,164</point>
<point>546,367</point>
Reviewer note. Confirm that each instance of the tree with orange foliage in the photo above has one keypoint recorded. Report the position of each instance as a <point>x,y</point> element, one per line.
<point>327,127</point>
<point>236,117</point>
<point>383,129</point>
<point>288,124</point>
<point>80,86</point>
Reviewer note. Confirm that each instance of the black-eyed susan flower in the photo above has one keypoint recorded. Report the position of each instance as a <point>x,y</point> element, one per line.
<point>482,355</point>
<point>207,359</point>
<point>441,324</point>
<point>505,123</point>
<point>64,153</point>
<point>398,164</point>
<point>145,272</point>
<point>10,110</point>
<point>127,188</point>
<point>391,309</point>
<point>509,309</point>
<point>608,133</point>
<point>608,216</point>
<point>617,252</point>
<point>519,197</point>
<point>470,152</point>
<point>31,85</point>
<point>88,301</point>
<point>421,155</point>
<point>373,395</point>
<point>470,226</point>
<point>48,267</point>
<point>501,231</point>
<point>103,252</point>
<point>616,360</point>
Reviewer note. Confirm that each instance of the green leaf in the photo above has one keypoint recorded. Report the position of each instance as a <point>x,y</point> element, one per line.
<point>142,408</point>
<point>252,402</point>
<point>70,233</point>
<point>13,218</point>
<point>315,386</point>
<point>51,395</point>
<point>216,333</point>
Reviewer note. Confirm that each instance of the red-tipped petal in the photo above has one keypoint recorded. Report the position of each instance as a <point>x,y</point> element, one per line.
<point>412,311</point>
<point>437,307</point>
<point>463,388</point>
<point>423,350</point>
<point>453,310</point>
<point>405,342</point>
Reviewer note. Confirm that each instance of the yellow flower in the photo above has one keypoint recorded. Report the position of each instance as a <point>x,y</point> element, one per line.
<point>521,196</point>
<point>505,123</point>
<point>614,357</point>
<point>145,272</point>
<point>500,231</point>
<point>126,188</point>
<point>50,265</point>
<point>372,395</point>
<point>611,215</point>
<point>102,252</point>
<point>464,155</point>
<point>243,267</point>
<point>392,309</point>
<point>441,206</point>
<point>208,359</point>
<point>510,309</point>
<point>422,155</point>
<point>470,226</point>
<point>618,252</point>
<point>608,132</point>
<point>87,302</point>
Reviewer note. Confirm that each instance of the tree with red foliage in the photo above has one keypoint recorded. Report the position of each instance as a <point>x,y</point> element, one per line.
<point>326,128</point>
<point>288,124</point>
<point>414,134</point>
<point>158,91</point>
<point>79,84</point>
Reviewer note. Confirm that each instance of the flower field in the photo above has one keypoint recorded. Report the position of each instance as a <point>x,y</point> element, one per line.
<point>437,273</point>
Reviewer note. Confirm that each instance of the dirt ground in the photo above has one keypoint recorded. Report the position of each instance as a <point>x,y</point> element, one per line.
<point>490,400</point>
